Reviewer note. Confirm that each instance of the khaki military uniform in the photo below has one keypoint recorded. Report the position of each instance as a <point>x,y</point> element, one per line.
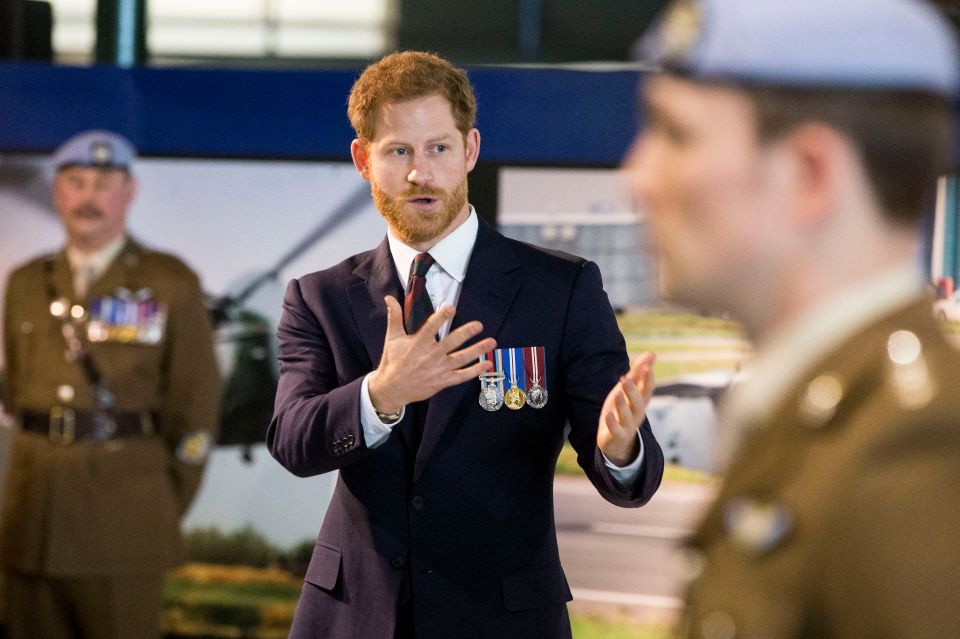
<point>112,508</point>
<point>839,516</point>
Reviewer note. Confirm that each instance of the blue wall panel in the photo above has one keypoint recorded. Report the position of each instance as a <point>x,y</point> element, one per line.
<point>526,116</point>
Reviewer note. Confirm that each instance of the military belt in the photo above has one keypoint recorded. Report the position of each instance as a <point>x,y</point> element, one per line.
<point>66,425</point>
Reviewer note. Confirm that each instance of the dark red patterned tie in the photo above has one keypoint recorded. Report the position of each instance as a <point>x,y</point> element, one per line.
<point>416,306</point>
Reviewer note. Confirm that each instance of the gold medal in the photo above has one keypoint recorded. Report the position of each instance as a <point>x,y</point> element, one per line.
<point>514,398</point>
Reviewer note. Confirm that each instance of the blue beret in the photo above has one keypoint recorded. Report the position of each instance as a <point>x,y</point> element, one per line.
<point>101,149</point>
<point>870,44</point>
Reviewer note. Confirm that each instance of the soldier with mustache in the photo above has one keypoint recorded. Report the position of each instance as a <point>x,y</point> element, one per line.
<point>445,417</point>
<point>112,379</point>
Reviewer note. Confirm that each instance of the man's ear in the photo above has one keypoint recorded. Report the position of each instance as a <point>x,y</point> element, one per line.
<point>818,154</point>
<point>472,148</point>
<point>131,188</point>
<point>361,158</point>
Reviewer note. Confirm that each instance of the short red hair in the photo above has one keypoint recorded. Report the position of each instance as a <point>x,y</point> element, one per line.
<point>405,76</point>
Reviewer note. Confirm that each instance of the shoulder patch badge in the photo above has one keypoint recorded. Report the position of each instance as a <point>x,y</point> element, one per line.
<point>195,447</point>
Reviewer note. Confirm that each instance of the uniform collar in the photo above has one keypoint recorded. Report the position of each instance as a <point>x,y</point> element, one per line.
<point>788,355</point>
<point>98,261</point>
<point>452,253</point>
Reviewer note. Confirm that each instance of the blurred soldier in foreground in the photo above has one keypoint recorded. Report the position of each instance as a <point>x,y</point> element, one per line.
<point>112,379</point>
<point>790,150</point>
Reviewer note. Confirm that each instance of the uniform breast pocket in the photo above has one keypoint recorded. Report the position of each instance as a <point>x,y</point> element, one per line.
<point>38,344</point>
<point>140,363</point>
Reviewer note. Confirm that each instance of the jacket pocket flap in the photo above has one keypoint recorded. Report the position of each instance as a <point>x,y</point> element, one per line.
<point>535,589</point>
<point>324,567</point>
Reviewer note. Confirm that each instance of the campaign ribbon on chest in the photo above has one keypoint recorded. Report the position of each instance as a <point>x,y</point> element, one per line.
<point>129,319</point>
<point>535,366</point>
<point>518,378</point>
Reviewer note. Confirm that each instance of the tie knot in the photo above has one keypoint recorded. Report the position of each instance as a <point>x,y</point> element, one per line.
<point>421,264</point>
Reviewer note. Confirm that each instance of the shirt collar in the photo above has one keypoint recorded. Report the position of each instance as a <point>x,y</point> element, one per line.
<point>452,253</point>
<point>98,261</point>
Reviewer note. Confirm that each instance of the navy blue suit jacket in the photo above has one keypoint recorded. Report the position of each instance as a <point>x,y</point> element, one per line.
<point>469,514</point>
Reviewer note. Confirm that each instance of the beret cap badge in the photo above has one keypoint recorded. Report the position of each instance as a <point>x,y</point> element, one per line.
<point>678,33</point>
<point>101,153</point>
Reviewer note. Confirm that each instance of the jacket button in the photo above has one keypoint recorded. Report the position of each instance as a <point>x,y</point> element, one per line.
<point>397,562</point>
<point>418,502</point>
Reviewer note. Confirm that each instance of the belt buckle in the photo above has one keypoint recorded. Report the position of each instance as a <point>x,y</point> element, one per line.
<point>147,425</point>
<point>104,426</point>
<point>63,425</point>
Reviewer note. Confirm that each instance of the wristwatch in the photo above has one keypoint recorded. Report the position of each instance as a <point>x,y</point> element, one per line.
<point>389,418</point>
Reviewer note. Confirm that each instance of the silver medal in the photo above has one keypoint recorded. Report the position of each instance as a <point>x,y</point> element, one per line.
<point>491,391</point>
<point>536,395</point>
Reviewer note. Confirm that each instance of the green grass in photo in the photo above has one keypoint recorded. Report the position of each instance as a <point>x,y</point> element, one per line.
<point>593,627</point>
<point>672,324</point>
<point>567,465</point>
<point>679,338</point>
<point>667,370</point>
<point>213,601</point>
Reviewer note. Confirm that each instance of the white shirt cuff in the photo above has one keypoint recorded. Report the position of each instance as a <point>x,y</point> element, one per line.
<point>628,474</point>
<point>375,431</point>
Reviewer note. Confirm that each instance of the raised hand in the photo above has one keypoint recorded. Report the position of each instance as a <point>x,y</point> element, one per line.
<point>417,367</point>
<point>624,410</point>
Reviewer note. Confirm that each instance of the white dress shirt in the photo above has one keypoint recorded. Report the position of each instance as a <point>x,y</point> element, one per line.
<point>444,282</point>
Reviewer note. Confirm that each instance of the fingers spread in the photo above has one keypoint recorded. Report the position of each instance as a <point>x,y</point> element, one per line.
<point>457,337</point>
<point>394,317</point>
<point>432,326</point>
<point>466,374</point>
<point>461,357</point>
<point>642,367</point>
<point>622,409</point>
<point>638,400</point>
<point>610,419</point>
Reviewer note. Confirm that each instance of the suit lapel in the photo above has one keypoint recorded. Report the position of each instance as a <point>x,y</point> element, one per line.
<point>379,277</point>
<point>491,285</point>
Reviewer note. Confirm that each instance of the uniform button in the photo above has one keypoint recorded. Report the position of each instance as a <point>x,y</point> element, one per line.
<point>65,393</point>
<point>59,308</point>
<point>398,562</point>
<point>418,502</point>
<point>821,399</point>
